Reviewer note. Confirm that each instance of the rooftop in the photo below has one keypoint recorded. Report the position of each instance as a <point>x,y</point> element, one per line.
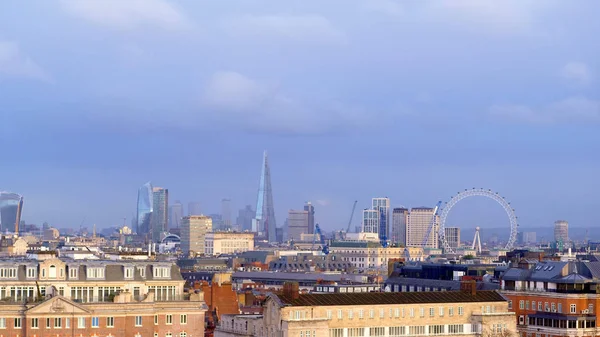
<point>390,298</point>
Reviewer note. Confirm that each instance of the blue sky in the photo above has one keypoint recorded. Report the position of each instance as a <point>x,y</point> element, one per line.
<point>414,100</point>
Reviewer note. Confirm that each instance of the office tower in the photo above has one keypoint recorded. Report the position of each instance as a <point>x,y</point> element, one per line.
<point>529,237</point>
<point>193,233</point>
<point>297,222</point>
<point>561,231</point>
<point>244,219</point>
<point>452,236</point>
<point>370,222</point>
<point>311,217</point>
<point>160,215</point>
<point>194,208</point>
<point>264,223</point>
<point>382,206</point>
<point>11,206</point>
<point>145,205</point>
<point>419,222</point>
<point>226,214</point>
<point>175,214</point>
<point>398,231</point>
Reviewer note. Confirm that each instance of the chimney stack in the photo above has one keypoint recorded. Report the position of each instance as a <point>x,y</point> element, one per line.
<point>291,289</point>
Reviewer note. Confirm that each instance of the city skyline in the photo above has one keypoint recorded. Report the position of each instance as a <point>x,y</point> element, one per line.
<point>500,95</point>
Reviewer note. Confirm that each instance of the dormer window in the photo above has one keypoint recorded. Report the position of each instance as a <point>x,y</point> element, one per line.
<point>128,272</point>
<point>8,273</point>
<point>52,271</point>
<point>162,272</point>
<point>142,271</point>
<point>31,272</point>
<point>73,273</point>
<point>95,272</point>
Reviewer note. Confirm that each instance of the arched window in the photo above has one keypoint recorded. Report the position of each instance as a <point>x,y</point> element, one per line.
<point>52,272</point>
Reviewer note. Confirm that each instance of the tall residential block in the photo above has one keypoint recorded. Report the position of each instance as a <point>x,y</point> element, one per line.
<point>175,214</point>
<point>398,231</point>
<point>145,205</point>
<point>370,221</point>
<point>419,224</point>
<point>452,235</point>
<point>264,224</point>
<point>11,206</point>
<point>311,216</point>
<point>297,222</point>
<point>382,206</point>
<point>160,214</point>
<point>561,231</point>
<point>193,233</point>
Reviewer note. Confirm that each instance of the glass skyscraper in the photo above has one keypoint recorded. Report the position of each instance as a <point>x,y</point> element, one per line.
<point>264,223</point>
<point>11,206</point>
<point>160,212</point>
<point>145,204</point>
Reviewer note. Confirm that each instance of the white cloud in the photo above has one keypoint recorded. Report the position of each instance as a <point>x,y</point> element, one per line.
<point>14,63</point>
<point>128,14</point>
<point>263,107</point>
<point>577,72</point>
<point>302,28</point>
<point>570,110</point>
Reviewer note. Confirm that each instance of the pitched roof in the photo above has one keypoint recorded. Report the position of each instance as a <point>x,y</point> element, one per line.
<point>390,298</point>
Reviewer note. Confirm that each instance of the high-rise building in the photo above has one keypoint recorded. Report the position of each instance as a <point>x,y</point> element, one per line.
<point>370,222</point>
<point>398,231</point>
<point>311,217</point>
<point>264,223</point>
<point>193,233</point>
<point>382,206</point>
<point>452,235</point>
<point>226,214</point>
<point>244,219</point>
<point>194,208</point>
<point>160,214</point>
<point>145,205</point>
<point>297,224</point>
<point>11,206</point>
<point>175,214</point>
<point>561,231</point>
<point>419,223</point>
<point>525,238</point>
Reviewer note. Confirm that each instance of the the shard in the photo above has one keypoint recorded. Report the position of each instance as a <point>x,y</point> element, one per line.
<point>264,223</point>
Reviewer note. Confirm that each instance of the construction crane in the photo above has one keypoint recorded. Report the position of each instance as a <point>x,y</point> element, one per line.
<point>351,216</point>
<point>431,225</point>
<point>324,246</point>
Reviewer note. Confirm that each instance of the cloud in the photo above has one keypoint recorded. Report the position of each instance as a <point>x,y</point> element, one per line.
<point>570,110</point>
<point>299,28</point>
<point>128,14</point>
<point>263,107</point>
<point>14,63</point>
<point>577,72</point>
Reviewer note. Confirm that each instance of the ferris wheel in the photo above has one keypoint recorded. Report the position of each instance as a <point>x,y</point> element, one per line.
<point>479,192</point>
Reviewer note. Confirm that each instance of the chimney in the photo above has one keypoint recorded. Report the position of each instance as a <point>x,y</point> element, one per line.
<point>469,286</point>
<point>291,289</point>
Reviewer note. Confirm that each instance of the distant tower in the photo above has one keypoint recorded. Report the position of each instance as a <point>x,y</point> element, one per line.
<point>561,231</point>
<point>160,214</point>
<point>145,204</point>
<point>477,241</point>
<point>264,223</point>
<point>311,216</point>
<point>226,214</point>
<point>175,214</point>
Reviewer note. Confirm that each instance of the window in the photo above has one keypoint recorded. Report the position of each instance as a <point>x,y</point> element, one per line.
<point>422,312</point>
<point>110,322</point>
<point>455,328</point>
<point>436,329</point>
<point>162,272</point>
<point>526,305</point>
<point>95,273</point>
<point>73,272</point>
<point>573,308</point>
<point>138,320</point>
<point>431,312</point>
<point>339,332</point>
<point>412,312</point>
<point>377,331</point>
<point>356,332</point>
<point>142,271</point>
<point>372,313</point>
<point>532,305</point>
<point>451,311</point>
<point>416,330</point>
<point>183,334</point>
<point>397,331</point>
<point>560,307</point>
<point>381,313</point>
<point>361,314</point>
<point>31,272</point>
<point>17,322</point>
<point>540,306</point>
<point>155,319</point>
<point>553,307</point>
<point>95,322</point>
<point>168,334</point>
<point>80,322</point>
<point>441,311</point>
<point>340,314</point>
<point>590,308</point>
<point>57,323</point>
<point>52,271</point>
<point>547,306</point>
<point>48,323</point>
<point>67,322</point>
<point>169,319</point>
<point>397,313</point>
<point>461,311</point>
<point>2,323</point>
<point>183,319</point>
<point>35,323</point>
<point>128,272</point>
<point>521,304</point>
<point>350,314</point>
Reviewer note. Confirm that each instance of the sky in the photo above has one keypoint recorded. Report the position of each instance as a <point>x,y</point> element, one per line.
<point>352,99</point>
